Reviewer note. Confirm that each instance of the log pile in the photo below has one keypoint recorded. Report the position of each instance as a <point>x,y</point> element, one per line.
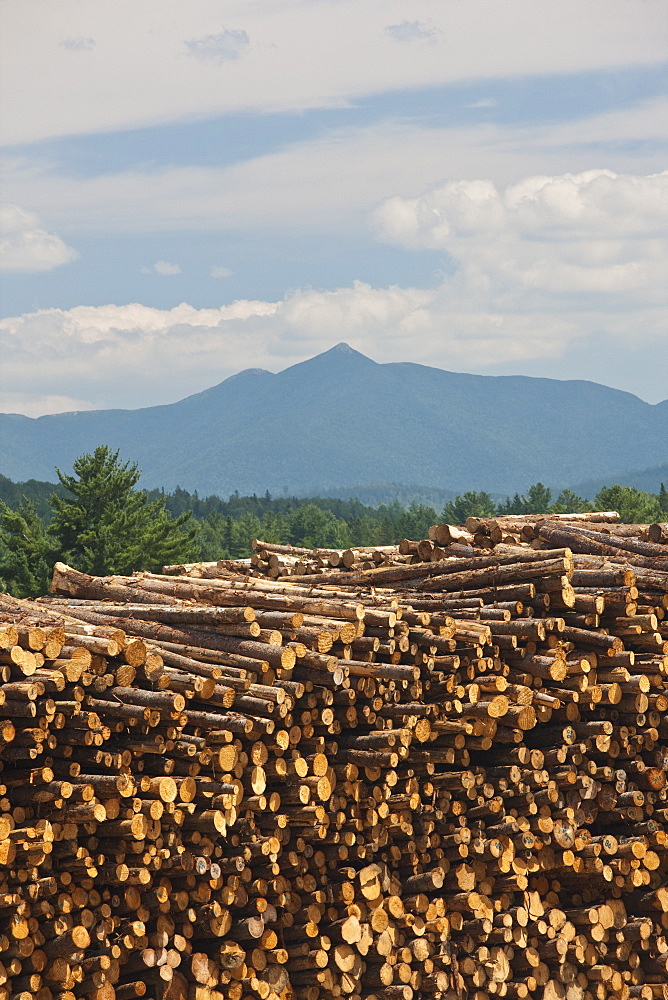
<point>437,772</point>
<point>272,560</point>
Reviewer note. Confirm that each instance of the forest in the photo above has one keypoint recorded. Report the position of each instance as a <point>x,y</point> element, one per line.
<point>100,522</point>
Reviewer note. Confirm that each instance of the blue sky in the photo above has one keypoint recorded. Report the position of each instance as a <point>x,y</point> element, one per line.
<point>478,187</point>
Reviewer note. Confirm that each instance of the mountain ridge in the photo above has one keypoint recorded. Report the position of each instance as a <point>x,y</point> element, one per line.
<point>340,418</point>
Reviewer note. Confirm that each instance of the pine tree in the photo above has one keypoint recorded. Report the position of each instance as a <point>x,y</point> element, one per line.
<point>536,501</point>
<point>471,504</point>
<point>26,551</point>
<point>663,499</point>
<point>107,526</point>
<point>569,502</point>
<point>634,506</point>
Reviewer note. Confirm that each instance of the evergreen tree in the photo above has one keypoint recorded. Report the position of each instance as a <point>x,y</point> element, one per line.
<point>228,537</point>
<point>569,502</point>
<point>311,527</point>
<point>414,522</point>
<point>514,506</point>
<point>244,530</point>
<point>384,527</point>
<point>471,504</point>
<point>634,506</point>
<point>26,551</point>
<point>663,499</point>
<point>211,538</point>
<point>274,528</point>
<point>536,501</point>
<point>107,526</point>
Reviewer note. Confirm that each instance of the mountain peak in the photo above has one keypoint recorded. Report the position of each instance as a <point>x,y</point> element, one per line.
<point>342,348</point>
<point>248,373</point>
<point>341,352</point>
<point>340,359</point>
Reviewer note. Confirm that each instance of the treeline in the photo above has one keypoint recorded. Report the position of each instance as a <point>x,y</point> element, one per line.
<point>634,506</point>
<point>98,521</point>
<point>228,526</point>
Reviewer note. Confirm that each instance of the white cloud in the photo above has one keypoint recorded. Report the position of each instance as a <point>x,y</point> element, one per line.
<point>132,355</point>
<point>163,267</point>
<point>364,312</point>
<point>413,31</point>
<point>221,272</point>
<point>78,44</point>
<point>24,247</point>
<point>230,43</point>
<point>545,240</point>
<point>593,203</point>
<point>36,406</point>
<point>304,55</point>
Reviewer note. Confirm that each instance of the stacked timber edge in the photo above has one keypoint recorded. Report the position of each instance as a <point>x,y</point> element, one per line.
<point>437,769</point>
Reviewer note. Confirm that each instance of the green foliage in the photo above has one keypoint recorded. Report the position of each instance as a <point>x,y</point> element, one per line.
<point>244,530</point>
<point>663,499</point>
<point>536,501</point>
<point>35,490</point>
<point>634,506</point>
<point>471,504</point>
<point>312,527</point>
<point>106,526</point>
<point>414,522</point>
<point>570,503</point>
<point>275,528</point>
<point>26,550</point>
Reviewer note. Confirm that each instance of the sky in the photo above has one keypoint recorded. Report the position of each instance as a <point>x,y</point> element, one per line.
<point>192,189</point>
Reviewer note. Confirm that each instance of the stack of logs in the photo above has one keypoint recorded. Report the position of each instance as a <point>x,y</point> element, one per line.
<point>439,771</point>
<point>273,560</point>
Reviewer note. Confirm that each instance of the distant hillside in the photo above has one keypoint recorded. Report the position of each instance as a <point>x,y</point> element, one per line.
<point>374,494</point>
<point>648,480</point>
<point>35,490</point>
<point>340,419</point>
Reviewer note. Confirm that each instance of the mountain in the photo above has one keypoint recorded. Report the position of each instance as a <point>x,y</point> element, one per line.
<point>648,480</point>
<point>341,419</point>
